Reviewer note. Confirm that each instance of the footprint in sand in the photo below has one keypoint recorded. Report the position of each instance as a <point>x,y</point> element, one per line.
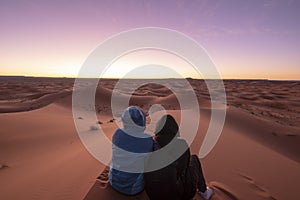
<point>291,135</point>
<point>103,178</point>
<point>111,121</point>
<point>3,166</point>
<point>93,128</point>
<point>259,190</point>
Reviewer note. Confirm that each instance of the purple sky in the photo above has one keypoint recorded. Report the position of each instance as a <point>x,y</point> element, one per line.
<point>246,39</point>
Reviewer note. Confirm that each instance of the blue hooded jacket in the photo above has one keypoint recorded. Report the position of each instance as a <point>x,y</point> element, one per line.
<point>129,151</point>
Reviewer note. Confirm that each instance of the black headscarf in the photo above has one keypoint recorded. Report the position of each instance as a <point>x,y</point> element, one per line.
<point>166,129</point>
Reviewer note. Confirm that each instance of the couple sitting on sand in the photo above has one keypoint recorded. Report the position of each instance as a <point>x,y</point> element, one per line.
<point>179,180</point>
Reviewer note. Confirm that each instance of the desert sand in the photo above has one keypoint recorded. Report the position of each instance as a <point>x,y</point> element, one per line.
<point>42,157</point>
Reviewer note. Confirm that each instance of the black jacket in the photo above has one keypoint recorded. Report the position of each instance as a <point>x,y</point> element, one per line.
<point>168,183</point>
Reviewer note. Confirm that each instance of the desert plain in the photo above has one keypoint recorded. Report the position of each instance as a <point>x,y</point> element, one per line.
<point>42,157</point>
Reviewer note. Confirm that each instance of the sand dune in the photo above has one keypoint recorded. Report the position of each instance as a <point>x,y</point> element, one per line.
<point>41,156</point>
<point>25,94</point>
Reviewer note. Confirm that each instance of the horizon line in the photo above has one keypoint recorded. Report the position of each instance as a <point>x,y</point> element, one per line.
<point>65,77</point>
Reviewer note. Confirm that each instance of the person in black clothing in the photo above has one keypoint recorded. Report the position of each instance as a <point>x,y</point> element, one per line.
<point>181,179</point>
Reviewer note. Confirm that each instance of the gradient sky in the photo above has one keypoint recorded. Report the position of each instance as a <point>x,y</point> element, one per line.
<point>245,39</point>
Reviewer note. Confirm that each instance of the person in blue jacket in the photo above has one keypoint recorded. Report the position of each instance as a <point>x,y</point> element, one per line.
<point>129,150</point>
